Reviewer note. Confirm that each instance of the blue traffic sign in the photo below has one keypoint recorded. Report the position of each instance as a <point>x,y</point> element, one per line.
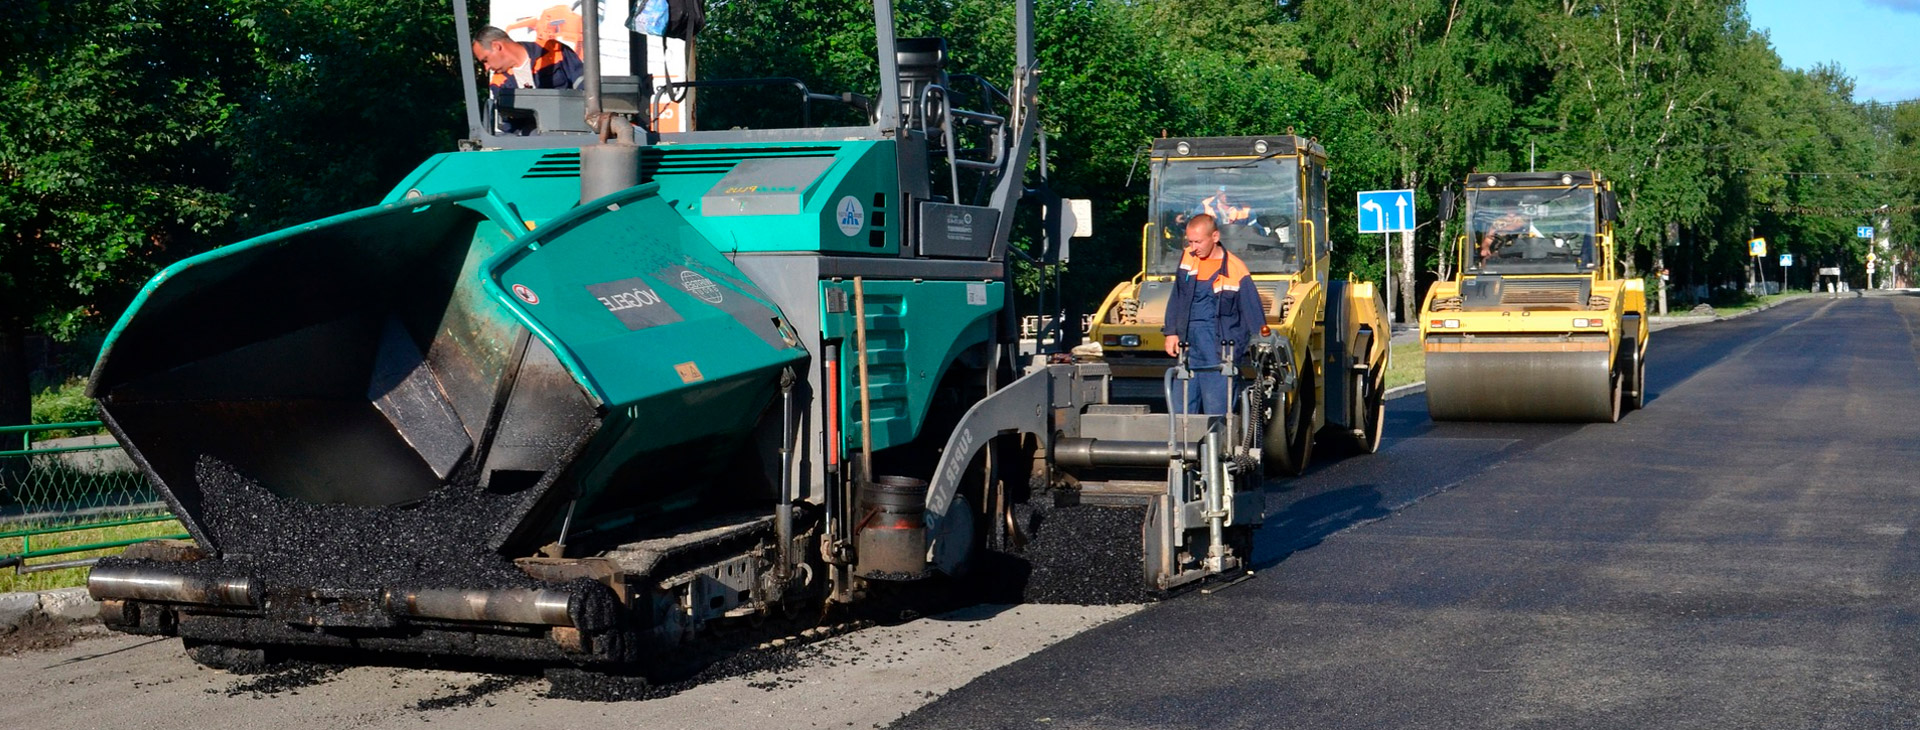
<point>1386,211</point>
<point>1786,259</point>
<point>1863,232</point>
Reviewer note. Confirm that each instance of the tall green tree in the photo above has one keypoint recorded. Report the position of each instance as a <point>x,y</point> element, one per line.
<point>1442,74</point>
<point>347,98</point>
<point>1902,123</point>
<point>137,132</point>
<point>114,158</point>
<point>1818,182</point>
<point>1642,90</point>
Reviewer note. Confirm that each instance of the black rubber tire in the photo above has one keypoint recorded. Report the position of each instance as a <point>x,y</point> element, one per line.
<point>1303,446</point>
<point>1619,387</point>
<point>1374,415</point>
<point>1289,438</point>
<point>1637,367</point>
<point>1273,438</point>
<point>976,539</point>
<point>234,658</point>
<point>1640,383</point>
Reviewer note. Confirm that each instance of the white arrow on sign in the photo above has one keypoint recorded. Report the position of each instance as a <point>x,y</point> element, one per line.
<point>1379,214</point>
<point>1401,203</point>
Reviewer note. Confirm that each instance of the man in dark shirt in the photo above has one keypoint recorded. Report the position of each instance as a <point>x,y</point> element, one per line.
<point>524,65</point>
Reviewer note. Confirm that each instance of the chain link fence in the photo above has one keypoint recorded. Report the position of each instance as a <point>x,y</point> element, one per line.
<point>68,492</point>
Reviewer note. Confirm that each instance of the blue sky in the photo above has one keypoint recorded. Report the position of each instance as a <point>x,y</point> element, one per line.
<point>1874,40</point>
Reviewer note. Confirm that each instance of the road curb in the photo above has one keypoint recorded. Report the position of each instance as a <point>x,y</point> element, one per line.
<point>60,605</point>
<point>1682,320</point>
<point>1403,391</point>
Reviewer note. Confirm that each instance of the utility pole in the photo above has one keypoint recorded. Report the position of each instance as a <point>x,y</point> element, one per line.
<point>1386,244</point>
<point>1660,262</point>
<point>1872,234</point>
<point>1406,271</point>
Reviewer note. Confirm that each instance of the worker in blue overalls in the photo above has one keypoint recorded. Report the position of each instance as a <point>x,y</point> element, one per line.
<point>1213,302</point>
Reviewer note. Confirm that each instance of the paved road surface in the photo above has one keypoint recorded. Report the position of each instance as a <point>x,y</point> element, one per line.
<point>1737,555</point>
<point>1740,554</point>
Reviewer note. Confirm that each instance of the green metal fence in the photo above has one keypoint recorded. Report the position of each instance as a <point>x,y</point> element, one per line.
<point>64,497</point>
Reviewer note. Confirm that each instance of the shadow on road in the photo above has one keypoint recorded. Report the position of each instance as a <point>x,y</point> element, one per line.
<point>1305,523</point>
<point>102,655</point>
<point>1406,418</point>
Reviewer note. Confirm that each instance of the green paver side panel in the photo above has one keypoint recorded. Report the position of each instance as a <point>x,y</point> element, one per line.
<point>915,329</point>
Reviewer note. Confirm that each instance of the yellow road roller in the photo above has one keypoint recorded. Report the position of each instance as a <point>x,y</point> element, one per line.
<point>1320,365</point>
<point>1537,324</point>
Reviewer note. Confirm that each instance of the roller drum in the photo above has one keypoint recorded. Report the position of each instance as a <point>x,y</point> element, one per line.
<point>1521,381</point>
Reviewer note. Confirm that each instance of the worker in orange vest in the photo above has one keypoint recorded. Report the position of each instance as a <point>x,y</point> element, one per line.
<point>1213,302</point>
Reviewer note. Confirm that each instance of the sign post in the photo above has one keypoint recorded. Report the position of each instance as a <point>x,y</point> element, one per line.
<point>1756,248</point>
<point>1786,262</point>
<point>1866,232</point>
<point>1387,212</point>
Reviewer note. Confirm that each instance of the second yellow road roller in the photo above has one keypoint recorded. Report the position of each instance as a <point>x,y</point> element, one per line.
<point>1538,323</point>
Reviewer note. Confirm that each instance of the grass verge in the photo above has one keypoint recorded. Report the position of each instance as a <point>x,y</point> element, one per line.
<point>70,577</point>
<point>1755,303</point>
<point>1409,365</point>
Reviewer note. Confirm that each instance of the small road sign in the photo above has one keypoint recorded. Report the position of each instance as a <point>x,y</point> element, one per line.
<point>1786,259</point>
<point>1863,232</point>
<point>1757,247</point>
<point>1386,211</point>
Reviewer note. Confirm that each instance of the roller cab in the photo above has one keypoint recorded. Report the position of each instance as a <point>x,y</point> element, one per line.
<point>1536,325</point>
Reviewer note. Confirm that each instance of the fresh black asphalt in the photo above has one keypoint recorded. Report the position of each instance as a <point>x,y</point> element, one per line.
<point>1739,554</point>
